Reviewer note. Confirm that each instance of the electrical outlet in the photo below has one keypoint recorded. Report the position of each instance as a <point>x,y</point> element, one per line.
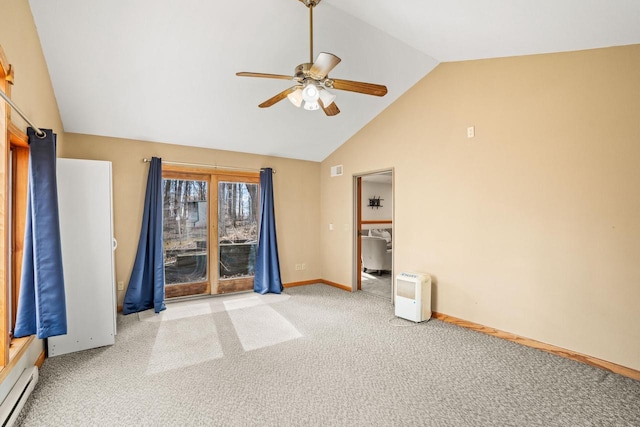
<point>121,286</point>
<point>471,131</point>
<point>303,266</point>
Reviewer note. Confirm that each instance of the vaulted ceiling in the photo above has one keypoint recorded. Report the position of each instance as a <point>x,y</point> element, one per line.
<point>164,71</point>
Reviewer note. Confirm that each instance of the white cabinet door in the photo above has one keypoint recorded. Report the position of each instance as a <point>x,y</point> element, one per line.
<point>86,228</point>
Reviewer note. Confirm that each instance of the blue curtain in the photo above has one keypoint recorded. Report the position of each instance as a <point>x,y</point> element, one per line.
<point>267,273</point>
<point>146,285</point>
<point>41,303</point>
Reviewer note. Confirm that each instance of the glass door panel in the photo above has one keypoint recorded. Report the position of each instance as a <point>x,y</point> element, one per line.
<point>238,204</point>
<point>185,234</point>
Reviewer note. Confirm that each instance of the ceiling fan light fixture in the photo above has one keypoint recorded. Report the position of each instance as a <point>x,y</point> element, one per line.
<point>326,97</point>
<point>310,93</point>
<point>311,106</point>
<point>296,97</point>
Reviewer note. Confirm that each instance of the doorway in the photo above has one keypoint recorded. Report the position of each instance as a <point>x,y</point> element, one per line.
<point>374,233</point>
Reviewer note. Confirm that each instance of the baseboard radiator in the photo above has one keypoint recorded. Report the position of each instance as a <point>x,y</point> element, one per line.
<point>12,405</point>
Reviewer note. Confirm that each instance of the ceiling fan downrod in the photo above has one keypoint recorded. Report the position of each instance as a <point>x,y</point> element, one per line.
<point>310,4</point>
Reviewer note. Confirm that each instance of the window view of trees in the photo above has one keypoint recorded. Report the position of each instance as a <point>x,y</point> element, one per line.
<point>185,230</point>
<point>238,204</point>
<point>186,234</point>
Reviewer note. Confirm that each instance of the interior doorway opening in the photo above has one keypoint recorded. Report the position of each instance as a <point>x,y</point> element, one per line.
<point>373,237</point>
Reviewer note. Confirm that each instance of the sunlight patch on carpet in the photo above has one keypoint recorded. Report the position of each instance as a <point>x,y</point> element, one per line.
<point>235,302</point>
<point>259,326</point>
<point>187,342</point>
<point>176,311</point>
<point>191,308</point>
<point>239,303</point>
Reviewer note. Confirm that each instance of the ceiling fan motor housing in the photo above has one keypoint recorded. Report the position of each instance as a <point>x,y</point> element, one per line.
<point>310,3</point>
<point>302,71</point>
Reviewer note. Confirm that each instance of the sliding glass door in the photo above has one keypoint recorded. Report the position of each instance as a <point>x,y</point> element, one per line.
<point>186,235</point>
<point>210,224</point>
<point>237,235</point>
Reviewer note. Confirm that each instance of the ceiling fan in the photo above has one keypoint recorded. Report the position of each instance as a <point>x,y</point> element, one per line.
<point>312,80</point>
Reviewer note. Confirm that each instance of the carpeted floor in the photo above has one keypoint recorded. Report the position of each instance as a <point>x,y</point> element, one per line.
<point>317,355</point>
<point>377,284</point>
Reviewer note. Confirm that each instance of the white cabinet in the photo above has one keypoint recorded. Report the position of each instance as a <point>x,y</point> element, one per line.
<point>86,228</point>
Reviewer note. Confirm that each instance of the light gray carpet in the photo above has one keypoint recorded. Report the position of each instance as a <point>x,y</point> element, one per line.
<point>325,357</point>
<point>377,284</point>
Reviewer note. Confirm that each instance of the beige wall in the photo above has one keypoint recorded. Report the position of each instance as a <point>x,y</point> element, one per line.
<point>296,193</point>
<point>383,190</point>
<point>33,93</point>
<point>531,227</point>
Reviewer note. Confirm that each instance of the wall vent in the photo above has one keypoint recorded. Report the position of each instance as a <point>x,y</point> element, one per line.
<point>336,170</point>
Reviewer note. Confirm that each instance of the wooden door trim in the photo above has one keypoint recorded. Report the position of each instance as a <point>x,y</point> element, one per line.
<point>11,138</point>
<point>382,221</point>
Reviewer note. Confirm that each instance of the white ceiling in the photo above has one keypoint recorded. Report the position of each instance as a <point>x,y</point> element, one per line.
<point>164,70</point>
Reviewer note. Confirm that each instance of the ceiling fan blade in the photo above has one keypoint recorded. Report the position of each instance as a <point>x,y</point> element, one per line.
<point>360,87</point>
<point>325,62</point>
<point>279,97</point>
<point>331,110</point>
<point>263,75</point>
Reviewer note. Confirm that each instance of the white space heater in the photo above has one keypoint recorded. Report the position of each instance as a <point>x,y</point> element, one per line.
<point>413,296</point>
